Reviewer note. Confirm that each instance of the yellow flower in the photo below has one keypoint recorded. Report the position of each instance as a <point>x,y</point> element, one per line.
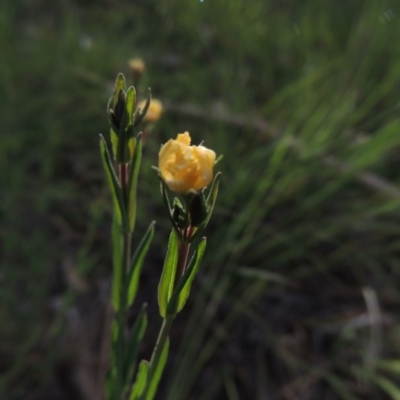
<point>185,168</point>
<point>137,65</point>
<point>154,112</point>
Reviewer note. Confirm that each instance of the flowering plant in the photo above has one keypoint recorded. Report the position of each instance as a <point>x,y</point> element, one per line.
<point>184,169</point>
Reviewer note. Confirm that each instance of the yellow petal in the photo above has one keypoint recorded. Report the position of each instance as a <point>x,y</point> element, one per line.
<point>184,138</point>
<point>186,168</point>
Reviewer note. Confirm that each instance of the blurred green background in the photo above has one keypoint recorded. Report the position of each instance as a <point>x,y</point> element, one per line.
<point>298,296</point>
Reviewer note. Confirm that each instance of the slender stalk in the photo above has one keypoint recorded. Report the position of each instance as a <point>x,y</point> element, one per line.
<point>126,238</point>
<point>158,348</point>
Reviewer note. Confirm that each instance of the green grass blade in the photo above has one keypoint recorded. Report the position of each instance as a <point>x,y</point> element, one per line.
<point>166,284</point>
<point>390,366</point>
<point>376,147</point>
<point>390,388</point>
<point>137,262</point>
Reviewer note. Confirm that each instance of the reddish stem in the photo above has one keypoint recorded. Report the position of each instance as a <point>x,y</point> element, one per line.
<point>123,170</point>
<point>183,254</point>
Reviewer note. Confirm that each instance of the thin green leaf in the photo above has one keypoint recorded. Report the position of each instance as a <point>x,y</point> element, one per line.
<point>375,148</point>
<point>140,114</point>
<point>167,279</point>
<point>117,264</point>
<point>157,372</point>
<point>140,385</point>
<point>133,180</point>
<point>211,199</point>
<point>138,331</point>
<point>167,203</point>
<point>137,262</point>
<point>219,159</point>
<point>182,290</point>
<point>263,275</point>
<point>120,84</point>
<point>212,196</point>
<point>113,183</point>
<point>114,142</point>
<point>126,127</point>
<point>119,221</point>
<point>130,105</point>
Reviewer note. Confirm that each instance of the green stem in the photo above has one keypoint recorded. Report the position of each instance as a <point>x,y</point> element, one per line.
<point>126,238</point>
<point>158,348</point>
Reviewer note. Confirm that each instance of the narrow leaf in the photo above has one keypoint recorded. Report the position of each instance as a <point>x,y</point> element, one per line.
<point>114,142</point>
<point>119,85</point>
<point>117,264</point>
<point>140,385</point>
<point>126,127</point>
<point>212,196</point>
<point>262,275</point>
<point>138,331</point>
<point>167,203</point>
<point>130,105</point>
<point>211,199</point>
<point>119,220</point>
<point>140,114</point>
<point>137,262</point>
<point>156,373</point>
<point>113,183</point>
<point>166,284</point>
<point>375,149</point>
<point>132,182</point>
<point>182,290</point>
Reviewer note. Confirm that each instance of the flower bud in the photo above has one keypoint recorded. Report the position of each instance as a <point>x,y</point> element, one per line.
<point>120,110</point>
<point>137,65</point>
